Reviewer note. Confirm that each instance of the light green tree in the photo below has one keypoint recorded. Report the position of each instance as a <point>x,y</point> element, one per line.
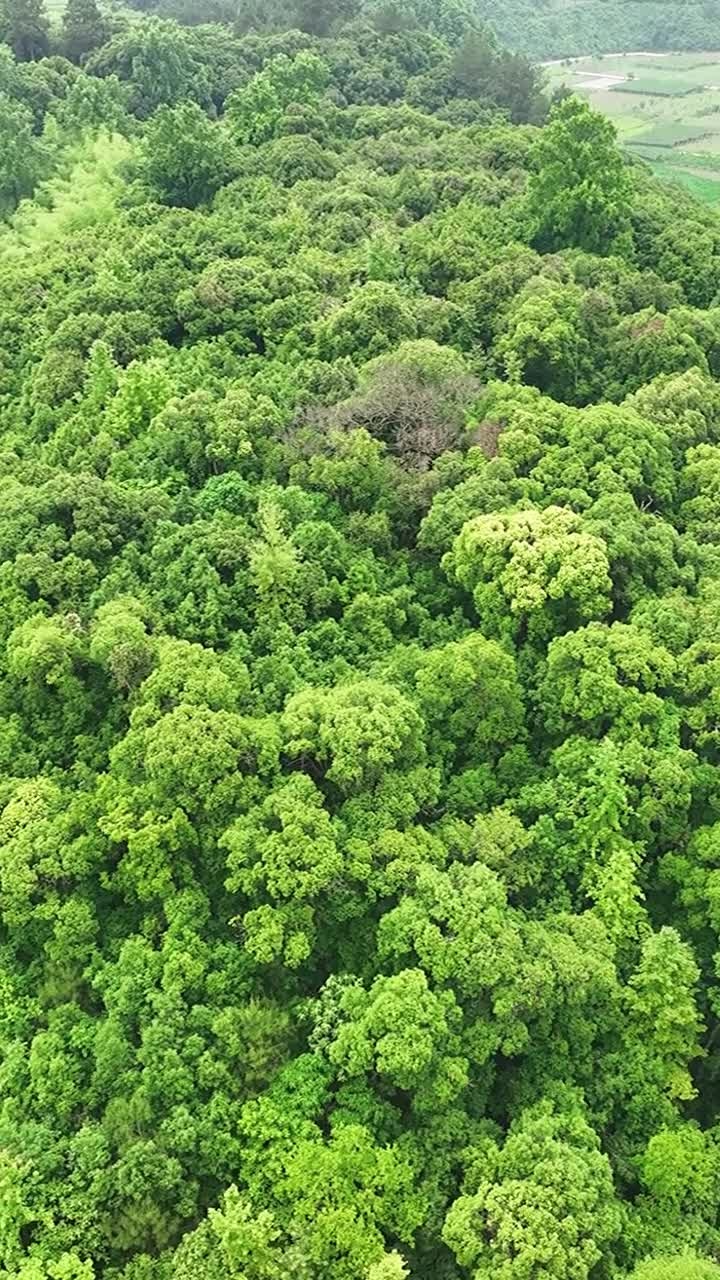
<point>255,111</point>
<point>579,196</point>
<point>354,732</point>
<point>679,1266</point>
<point>186,157</point>
<point>544,1203</point>
<point>530,572</point>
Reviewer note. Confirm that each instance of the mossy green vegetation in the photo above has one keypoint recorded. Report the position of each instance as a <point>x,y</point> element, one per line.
<point>359,662</point>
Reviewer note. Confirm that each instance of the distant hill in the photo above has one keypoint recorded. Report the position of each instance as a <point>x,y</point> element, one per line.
<point>556,29</point>
<point>540,29</point>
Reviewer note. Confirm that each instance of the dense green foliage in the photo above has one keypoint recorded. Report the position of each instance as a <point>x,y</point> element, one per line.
<point>548,29</point>
<point>540,29</point>
<point>359,667</point>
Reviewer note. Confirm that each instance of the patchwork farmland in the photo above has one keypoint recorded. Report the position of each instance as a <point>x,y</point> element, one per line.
<point>666,109</point>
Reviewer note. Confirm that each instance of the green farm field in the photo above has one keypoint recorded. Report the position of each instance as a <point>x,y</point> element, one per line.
<point>666,110</point>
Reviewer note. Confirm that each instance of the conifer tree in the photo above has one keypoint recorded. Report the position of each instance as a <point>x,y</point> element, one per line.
<point>84,29</point>
<point>24,25</point>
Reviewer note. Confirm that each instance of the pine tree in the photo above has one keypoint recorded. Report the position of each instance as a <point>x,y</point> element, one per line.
<point>318,16</point>
<point>473,65</point>
<point>84,29</point>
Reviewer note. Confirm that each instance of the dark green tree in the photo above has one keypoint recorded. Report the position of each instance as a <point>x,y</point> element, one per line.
<point>318,16</point>
<point>473,64</point>
<point>24,25</point>
<point>83,28</point>
<point>23,159</point>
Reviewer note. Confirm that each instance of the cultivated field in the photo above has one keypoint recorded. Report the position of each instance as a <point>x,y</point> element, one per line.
<point>658,86</point>
<point>666,109</point>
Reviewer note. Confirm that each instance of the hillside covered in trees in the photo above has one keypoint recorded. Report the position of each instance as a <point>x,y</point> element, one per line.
<point>541,29</point>
<point>359,663</point>
<point>562,28</point>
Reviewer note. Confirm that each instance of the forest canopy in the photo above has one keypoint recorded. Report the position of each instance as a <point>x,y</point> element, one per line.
<point>359,660</point>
